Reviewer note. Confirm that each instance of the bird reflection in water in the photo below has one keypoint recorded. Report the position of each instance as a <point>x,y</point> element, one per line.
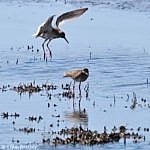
<point>78,116</point>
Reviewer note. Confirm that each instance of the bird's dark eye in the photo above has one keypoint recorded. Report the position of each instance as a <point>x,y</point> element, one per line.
<point>62,34</point>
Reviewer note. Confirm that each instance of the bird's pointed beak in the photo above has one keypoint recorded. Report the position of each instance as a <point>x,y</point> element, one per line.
<point>66,40</point>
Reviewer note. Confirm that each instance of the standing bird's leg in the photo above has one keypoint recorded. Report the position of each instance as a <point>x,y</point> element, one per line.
<point>80,89</point>
<point>43,48</point>
<point>80,105</point>
<point>50,53</point>
<point>73,89</point>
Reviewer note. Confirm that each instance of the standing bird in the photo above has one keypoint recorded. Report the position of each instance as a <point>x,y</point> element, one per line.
<point>48,32</point>
<point>78,75</point>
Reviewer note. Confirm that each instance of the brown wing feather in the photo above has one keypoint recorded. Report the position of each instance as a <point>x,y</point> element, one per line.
<point>70,15</point>
<point>48,22</point>
<point>73,74</point>
<point>44,27</point>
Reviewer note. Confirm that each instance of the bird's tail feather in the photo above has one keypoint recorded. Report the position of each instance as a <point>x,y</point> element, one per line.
<point>66,74</point>
<point>35,35</point>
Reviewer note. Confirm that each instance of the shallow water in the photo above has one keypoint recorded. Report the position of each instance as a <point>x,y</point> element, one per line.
<point>119,42</point>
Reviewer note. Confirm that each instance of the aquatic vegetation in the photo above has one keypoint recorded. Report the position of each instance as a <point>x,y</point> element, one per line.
<point>78,135</point>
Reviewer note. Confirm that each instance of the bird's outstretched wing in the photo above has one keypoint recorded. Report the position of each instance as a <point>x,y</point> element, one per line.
<point>48,22</point>
<point>70,15</point>
<point>47,25</point>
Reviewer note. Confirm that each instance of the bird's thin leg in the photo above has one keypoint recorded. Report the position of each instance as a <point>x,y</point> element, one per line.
<point>44,48</point>
<point>80,89</point>
<point>50,53</point>
<point>73,89</point>
<point>79,104</point>
<point>73,104</point>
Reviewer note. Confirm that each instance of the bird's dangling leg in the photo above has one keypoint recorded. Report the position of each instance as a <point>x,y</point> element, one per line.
<point>44,48</point>
<point>50,53</point>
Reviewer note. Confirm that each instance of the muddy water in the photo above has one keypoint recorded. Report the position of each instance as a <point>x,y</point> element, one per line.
<point>119,67</point>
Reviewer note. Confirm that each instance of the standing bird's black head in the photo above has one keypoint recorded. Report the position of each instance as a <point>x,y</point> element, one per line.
<point>62,35</point>
<point>86,71</point>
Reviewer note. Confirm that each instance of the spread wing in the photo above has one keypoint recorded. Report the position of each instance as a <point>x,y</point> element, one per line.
<point>70,15</point>
<point>48,22</point>
<point>47,25</point>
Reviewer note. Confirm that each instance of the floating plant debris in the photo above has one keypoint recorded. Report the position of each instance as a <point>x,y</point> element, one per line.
<point>78,135</point>
<point>66,86</point>
<point>34,118</point>
<point>56,116</point>
<point>7,115</point>
<point>49,86</point>
<point>15,140</point>
<point>138,103</point>
<point>27,130</point>
<point>68,94</point>
<point>4,88</point>
<point>32,88</point>
<point>36,88</point>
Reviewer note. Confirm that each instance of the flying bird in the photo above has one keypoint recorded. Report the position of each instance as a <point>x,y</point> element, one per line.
<point>78,75</point>
<point>49,32</point>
